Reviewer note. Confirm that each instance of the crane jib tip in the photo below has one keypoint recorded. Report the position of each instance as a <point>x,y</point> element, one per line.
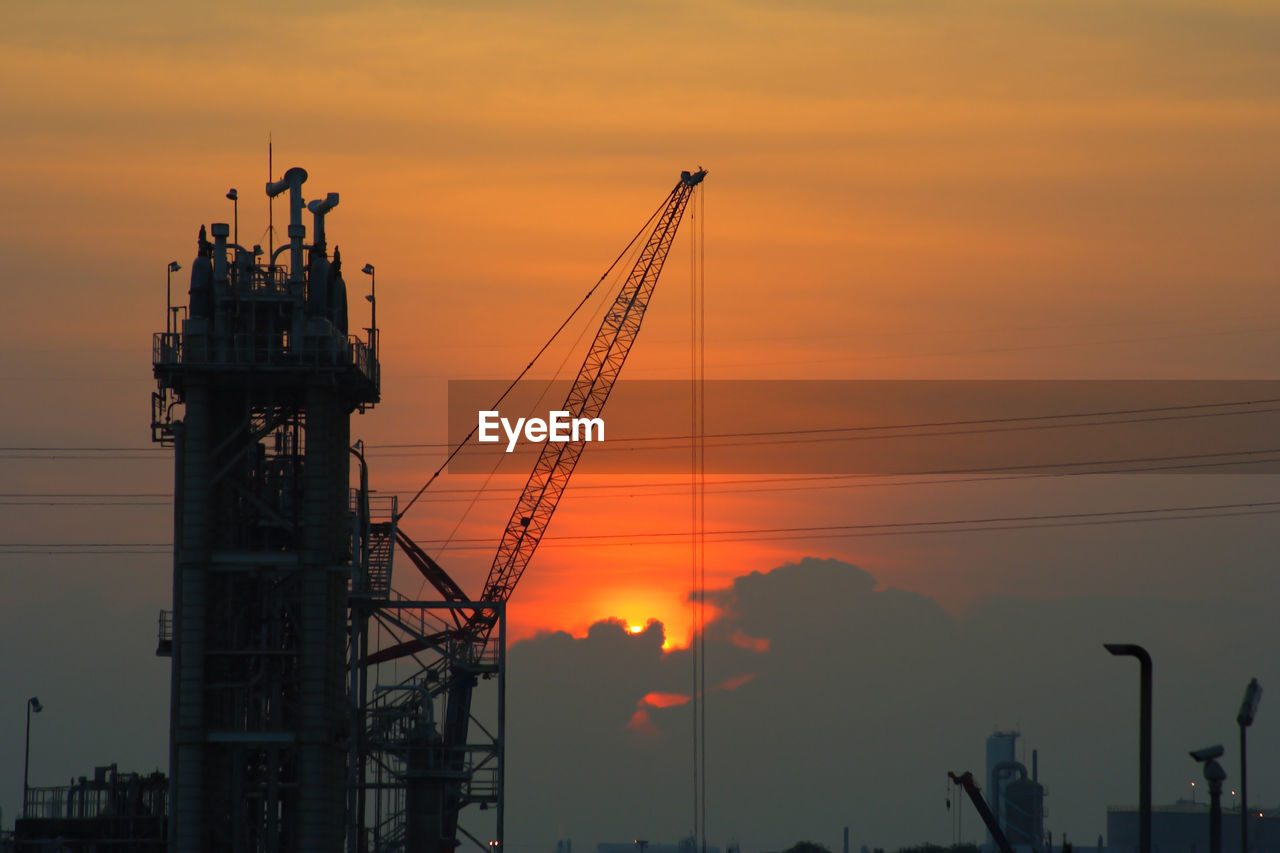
<point>690,179</point>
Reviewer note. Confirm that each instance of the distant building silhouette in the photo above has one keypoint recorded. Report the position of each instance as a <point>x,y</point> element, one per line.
<point>1015,796</point>
<point>1183,827</point>
<point>111,810</point>
<point>685,845</point>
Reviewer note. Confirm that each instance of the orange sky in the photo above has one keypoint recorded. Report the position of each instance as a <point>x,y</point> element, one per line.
<point>935,189</point>
<point>947,189</point>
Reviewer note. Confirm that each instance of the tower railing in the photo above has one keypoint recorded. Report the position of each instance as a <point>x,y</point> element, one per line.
<point>173,349</point>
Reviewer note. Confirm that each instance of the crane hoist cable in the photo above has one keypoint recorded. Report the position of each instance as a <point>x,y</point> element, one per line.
<point>695,629</point>
<point>567,320</point>
<point>596,315</point>
<point>593,320</point>
<point>697,537</point>
<point>700,247</point>
<point>556,460</point>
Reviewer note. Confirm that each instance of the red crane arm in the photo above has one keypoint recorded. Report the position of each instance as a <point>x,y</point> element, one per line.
<point>557,460</point>
<point>965,781</point>
<point>586,399</point>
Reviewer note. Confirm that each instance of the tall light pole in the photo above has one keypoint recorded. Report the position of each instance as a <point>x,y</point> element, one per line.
<point>1249,707</point>
<point>373,309</point>
<point>173,267</point>
<point>235,213</point>
<point>1144,738</point>
<point>33,704</point>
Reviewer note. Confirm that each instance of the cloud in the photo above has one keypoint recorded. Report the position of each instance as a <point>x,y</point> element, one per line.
<point>861,701</point>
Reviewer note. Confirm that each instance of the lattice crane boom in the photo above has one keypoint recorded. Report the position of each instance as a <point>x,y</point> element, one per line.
<point>420,732</point>
<point>556,461</point>
<point>586,399</point>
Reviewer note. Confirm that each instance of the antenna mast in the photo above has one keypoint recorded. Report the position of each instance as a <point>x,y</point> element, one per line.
<point>271,207</point>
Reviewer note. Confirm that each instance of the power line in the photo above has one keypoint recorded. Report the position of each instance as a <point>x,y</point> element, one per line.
<point>961,525</point>
<point>79,449</point>
<point>90,552</point>
<point>678,536</point>
<point>858,433</point>
<point>1136,465</point>
<point>86,494</point>
<point>86,545</point>
<point>1002,424</point>
<point>87,503</point>
<point>65,457</point>
<point>895,524</point>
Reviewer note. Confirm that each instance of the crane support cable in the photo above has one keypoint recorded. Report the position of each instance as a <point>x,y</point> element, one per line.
<point>586,398</point>
<point>695,629</point>
<point>592,320</point>
<point>698,506</point>
<point>537,355</point>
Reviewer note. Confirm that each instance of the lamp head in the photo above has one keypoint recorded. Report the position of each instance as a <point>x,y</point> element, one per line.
<point>35,704</point>
<point>174,266</point>
<point>368,269</point>
<point>1249,707</point>
<point>232,194</point>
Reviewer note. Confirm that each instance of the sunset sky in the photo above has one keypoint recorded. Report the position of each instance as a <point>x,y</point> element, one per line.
<point>954,189</point>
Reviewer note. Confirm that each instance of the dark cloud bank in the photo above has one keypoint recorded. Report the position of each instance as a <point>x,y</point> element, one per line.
<point>858,703</point>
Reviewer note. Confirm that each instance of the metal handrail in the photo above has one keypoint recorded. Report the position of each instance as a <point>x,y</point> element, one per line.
<point>174,348</point>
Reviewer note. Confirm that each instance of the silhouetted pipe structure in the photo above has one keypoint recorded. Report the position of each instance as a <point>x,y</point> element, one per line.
<point>1000,772</point>
<point>338,294</point>
<point>256,390</point>
<point>318,210</point>
<point>201,291</point>
<point>1144,738</point>
<point>293,181</point>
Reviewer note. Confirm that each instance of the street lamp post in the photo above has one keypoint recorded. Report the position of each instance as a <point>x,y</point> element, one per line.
<point>1144,738</point>
<point>373,309</point>
<point>235,214</point>
<point>173,267</point>
<point>33,704</point>
<point>1249,707</point>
